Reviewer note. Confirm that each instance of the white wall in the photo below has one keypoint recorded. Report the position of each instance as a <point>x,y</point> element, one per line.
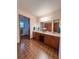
<point>33,20</point>
<point>53,15</point>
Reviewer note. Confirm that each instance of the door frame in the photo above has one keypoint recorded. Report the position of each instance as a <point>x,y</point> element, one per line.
<point>19,24</point>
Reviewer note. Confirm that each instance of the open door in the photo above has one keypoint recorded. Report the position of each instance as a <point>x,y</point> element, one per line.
<point>24,27</point>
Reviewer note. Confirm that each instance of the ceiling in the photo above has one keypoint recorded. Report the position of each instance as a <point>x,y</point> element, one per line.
<point>39,7</point>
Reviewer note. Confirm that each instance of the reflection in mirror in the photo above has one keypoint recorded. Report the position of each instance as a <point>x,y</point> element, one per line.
<point>56,25</point>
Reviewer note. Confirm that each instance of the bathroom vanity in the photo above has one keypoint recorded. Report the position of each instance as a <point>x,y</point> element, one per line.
<point>49,38</point>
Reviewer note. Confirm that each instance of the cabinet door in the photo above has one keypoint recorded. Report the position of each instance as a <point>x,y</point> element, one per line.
<point>36,35</point>
<point>52,41</point>
<point>55,42</point>
<point>47,40</point>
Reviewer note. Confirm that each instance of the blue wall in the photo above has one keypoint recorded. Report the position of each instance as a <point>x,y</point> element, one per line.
<point>25,26</point>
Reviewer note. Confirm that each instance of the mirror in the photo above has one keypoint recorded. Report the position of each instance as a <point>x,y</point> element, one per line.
<point>46,26</point>
<point>56,25</point>
<point>51,25</point>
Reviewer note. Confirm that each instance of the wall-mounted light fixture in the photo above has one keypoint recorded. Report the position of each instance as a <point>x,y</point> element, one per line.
<point>43,19</point>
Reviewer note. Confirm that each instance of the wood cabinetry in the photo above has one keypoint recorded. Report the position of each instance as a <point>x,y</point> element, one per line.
<point>50,40</point>
<point>36,35</point>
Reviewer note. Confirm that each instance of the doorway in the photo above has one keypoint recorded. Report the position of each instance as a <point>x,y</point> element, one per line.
<point>24,27</point>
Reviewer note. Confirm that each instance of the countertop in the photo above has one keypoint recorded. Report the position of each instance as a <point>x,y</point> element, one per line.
<point>49,33</point>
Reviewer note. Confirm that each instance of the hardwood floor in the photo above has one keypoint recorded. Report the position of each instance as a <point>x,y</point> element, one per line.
<point>31,49</point>
<point>24,36</point>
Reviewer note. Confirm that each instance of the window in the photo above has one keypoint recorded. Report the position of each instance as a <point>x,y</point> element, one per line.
<point>21,24</point>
